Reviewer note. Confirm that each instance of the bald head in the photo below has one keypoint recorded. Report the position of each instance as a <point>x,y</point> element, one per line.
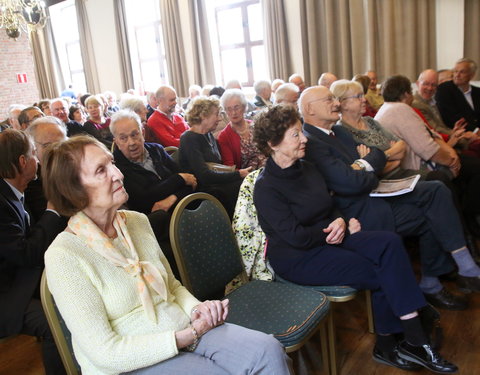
<point>319,107</point>
<point>297,80</point>
<point>326,79</point>
<point>427,83</point>
<point>166,99</point>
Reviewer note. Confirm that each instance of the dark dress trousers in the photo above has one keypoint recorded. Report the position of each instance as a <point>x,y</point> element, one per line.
<point>294,206</point>
<point>452,105</point>
<point>427,212</point>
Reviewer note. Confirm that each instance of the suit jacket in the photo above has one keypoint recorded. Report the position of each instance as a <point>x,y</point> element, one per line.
<point>144,188</point>
<point>22,246</point>
<point>350,188</point>
<point>260,102</point>
<point>431,114</point>
<point>453,106</point>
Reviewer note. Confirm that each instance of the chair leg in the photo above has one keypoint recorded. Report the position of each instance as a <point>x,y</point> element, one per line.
<point>324,345</point>
<point>332,343</point>
<point>371,323</point>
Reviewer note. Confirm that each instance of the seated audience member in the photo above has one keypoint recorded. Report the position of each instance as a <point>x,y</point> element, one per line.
<point>12,118</point>
<point>135,104</point>
<point>326,79</point>
<point>44,106</point>
<point>193,91</point>
<point>427,212</point>
<point>287,94</point>
<point>97,123</point>
<point>364,80</point>
<point>126,311</point>
<point>23,241</point>
<point>236,140</point>
<point>152,103</point>
<point>112,105</point>
<point>76,114</point>
<point>166,125</point>
<point>235,84</point>
<point>151,178</point>
<point>27,115</point>
<point>217,91</point>
<point>200,155</point>
<point>423,100</point>
<point>458,99</point>
<point>207,88</point>
<point>263,91</point>
<point>60,110</point>
<point>309,243</point>
<point>373,97</point>
<point>444,75</point>
<point>276,83</point>
<point>297,80</point>
<point>426,150</point>
<point>366,130</point>
<point>44,131</point>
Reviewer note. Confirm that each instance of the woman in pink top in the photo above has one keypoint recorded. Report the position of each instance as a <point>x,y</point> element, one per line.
<point>236,142</point>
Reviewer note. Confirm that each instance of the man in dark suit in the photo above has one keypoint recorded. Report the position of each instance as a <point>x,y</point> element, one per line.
<point>60,110</point>
<point>22,245</point>
<point>152,179</point>
<point>349,171</point>
<point>263,91</point>
<point>457,98</point>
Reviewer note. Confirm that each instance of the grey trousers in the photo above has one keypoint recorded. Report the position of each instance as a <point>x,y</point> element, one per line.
<point>227,349</point>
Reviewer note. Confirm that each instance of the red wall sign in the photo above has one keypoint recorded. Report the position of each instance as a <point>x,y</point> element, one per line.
<point>21,77</point>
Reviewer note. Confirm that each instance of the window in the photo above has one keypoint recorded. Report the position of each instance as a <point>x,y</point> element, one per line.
<point>67,41</point>
<point>146,45</point>
<point>236,29</point>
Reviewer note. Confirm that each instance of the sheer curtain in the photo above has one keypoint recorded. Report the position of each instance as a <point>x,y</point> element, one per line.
<point>347,37</point>
<point>123,45</point>
<point>47,68</point>
<point>86,46</point>
<point>175,55</point>
<point>276,38</point>
<point>202,50</point>
<point>472,31</point>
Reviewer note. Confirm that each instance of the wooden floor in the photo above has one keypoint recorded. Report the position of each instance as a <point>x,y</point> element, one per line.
<point>20,355</point>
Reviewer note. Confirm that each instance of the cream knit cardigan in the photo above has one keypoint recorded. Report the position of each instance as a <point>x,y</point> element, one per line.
<point>99,302</point>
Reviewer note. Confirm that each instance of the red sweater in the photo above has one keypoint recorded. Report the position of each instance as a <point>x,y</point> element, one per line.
<point>229,142</point>
<point>168,132</point>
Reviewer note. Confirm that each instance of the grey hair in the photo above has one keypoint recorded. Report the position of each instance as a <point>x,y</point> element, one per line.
<point>194,88</point>
<point>261,85</point>
<point>473,65</point>
<point>13,107</point>
<point>160,93</point>
<point>284,89</point>
<point>32,129</point>
<point>132,103</point>
<point>341,87</point>
<point>124,114</point>
<point>234,93</point>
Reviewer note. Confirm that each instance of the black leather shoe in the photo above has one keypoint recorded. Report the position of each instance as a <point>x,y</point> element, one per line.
<point>468,284</point>
<point>427,357</point>
<point>392,359</point>
<point>430,318</point>
<point>445,300</point>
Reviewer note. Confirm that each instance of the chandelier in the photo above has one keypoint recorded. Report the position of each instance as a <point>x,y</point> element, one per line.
<point>18,15</point>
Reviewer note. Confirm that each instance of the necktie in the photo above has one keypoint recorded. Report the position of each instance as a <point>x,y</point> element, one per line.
<point>22,199</point>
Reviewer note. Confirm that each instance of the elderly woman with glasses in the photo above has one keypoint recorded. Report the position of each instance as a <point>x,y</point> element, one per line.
<point>366,130</point>
<point>116,292</point>
<point>236,140</point>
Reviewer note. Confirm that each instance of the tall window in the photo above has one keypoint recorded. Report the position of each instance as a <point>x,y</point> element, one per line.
<point>146,44</point>
<point>236,29</point>
<point>67,41</point>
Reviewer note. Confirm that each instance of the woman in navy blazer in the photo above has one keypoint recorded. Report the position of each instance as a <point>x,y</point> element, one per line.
<point>309,244</point>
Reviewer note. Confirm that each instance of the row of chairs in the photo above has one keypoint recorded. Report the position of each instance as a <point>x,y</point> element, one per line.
<point>207,255</point>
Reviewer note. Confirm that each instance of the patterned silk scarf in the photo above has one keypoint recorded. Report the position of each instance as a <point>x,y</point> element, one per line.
<point>144,272</point>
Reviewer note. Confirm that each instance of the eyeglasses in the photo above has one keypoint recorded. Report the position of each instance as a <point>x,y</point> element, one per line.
<point>135,135</point>
<point>234,108</point>
<point>358,96</point>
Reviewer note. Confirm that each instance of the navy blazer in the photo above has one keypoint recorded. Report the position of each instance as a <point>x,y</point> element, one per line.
<point>452,105</point>
<point>22,247</point>
<point>333,157</point>
<point>144,188</point>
